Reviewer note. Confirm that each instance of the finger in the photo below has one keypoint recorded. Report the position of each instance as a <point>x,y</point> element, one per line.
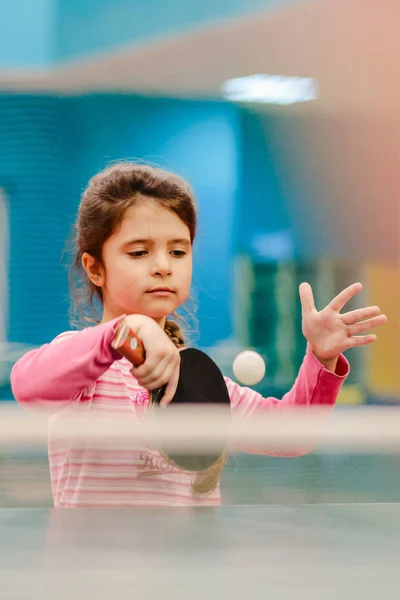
<point>153,362</point>
<point>153,384</point>
<point>154,372</point>
<point>361,340</point>
<point>366,325</point>
<point>145,370</point>
<point>160,376</point>
<point>306,298</point>
<point>162,371</point>
<point>171,387</point>
<point>360,314</point>
<point>343,298</point>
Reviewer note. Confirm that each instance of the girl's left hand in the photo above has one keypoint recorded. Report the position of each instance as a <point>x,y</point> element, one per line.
<point>330,332</point>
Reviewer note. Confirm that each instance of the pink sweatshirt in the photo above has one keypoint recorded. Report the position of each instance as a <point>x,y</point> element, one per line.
<point>81,367</point>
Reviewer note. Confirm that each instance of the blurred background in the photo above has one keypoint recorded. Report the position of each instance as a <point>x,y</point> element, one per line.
<point>284,117</point>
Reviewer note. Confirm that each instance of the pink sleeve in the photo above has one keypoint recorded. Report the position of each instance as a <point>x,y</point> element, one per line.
<point>314,386</point>
<point>54,375</point>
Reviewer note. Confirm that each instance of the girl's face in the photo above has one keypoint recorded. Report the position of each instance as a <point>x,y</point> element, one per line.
<point>147,264</point>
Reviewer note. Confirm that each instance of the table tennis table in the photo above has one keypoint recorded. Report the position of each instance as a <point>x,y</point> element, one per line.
<point>310,551</point>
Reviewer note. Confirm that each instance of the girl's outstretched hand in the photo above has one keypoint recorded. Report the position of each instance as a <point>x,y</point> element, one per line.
<point>329,331</point>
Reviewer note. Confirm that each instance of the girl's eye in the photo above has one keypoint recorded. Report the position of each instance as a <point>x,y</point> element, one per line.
<point>141,253</point>
<point>137,253</point>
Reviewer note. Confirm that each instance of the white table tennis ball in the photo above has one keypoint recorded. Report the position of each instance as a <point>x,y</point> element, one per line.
<point>249,367</point>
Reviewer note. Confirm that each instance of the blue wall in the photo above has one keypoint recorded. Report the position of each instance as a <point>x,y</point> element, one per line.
<point>287,197</point>
<point>266,225</point>
<point>36,178</point>
<point>50,147</point>
<point>27,33</point>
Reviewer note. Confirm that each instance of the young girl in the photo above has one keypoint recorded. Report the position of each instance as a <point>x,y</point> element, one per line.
<point>134,234</point>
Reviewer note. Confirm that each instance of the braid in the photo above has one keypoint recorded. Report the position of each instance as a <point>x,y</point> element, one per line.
<point>174,333</point>
<point>207,480</point>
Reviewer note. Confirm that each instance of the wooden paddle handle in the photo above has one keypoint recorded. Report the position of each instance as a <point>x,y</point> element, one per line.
<point>129,345</point>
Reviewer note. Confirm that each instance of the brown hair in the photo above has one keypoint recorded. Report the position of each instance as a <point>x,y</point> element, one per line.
<point>108,195</point>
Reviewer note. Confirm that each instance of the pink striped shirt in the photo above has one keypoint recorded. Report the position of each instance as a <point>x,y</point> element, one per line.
<point>81,368</point>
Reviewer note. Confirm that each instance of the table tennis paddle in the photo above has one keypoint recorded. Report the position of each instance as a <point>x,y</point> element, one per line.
<point>200,383</point>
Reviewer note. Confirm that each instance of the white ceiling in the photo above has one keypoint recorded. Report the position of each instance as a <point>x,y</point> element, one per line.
<point>352,48</point>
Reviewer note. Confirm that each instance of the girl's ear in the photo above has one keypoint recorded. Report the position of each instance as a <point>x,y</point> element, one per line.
<point>94,270</point>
